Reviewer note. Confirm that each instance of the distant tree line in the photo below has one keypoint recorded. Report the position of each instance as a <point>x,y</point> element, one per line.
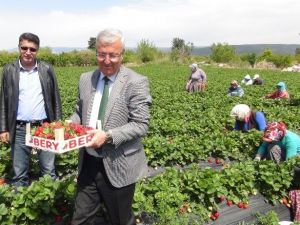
<point>224,53</point>
<point>147,52</point>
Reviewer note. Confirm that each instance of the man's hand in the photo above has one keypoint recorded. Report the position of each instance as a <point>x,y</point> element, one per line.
<point>98,140</point>
<point>4,137</point>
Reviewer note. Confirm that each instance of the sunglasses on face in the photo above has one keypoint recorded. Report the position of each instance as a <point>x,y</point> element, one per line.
<point>23,48</point>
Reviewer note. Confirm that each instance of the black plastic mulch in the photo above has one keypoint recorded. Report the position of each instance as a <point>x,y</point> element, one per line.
<point>232,215</point>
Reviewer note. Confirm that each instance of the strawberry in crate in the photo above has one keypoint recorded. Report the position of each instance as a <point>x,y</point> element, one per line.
<point>58,137</point>
<point>71,130</point>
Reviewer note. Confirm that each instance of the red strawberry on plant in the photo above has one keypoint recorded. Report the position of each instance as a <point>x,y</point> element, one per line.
<point>229,203</point>
<point>58,218</point>
<point>245,206</point>
<point>222,198</point>
<point>182,210</point>
<point>212,217</point>
<point>216,215</point>
<point>284,201</point>
<point>240,205</point>
<point>218,161</point>
<point>63,209</point>
<point>2,181</point>
<point>210,160</point>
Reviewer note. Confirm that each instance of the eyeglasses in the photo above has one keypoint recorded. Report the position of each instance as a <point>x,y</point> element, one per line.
<point>112,56</point>
<point>23,48</point>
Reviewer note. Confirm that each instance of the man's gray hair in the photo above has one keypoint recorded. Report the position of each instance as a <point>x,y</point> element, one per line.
<point>109,36</point>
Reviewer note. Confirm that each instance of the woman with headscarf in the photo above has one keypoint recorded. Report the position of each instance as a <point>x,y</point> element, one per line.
<point>257,80</point>
<point>235,89</point>
<point>197,79</point>
<point>280,93</point>
<point>279,143</point>
<point>246,119</point>
<point>247,80</point>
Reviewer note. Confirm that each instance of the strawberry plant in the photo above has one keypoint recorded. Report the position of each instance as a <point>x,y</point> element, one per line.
<point>273,187</point>
<point>240,180</point>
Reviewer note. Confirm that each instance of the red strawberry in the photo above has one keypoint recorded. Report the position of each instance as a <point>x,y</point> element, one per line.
<point>245,206</point>
<point>57,125</point>
<point>58,218</point>
<point>182,210</point>
<point>284,201</point>
<point>63,209</point>
<point>2,181</point>
<point>229,203</point>
<point>210,160</point>
<point>37,132</point>
<point>222,198</point>
<point>240,205</point>
<point>212,217</point>
<point>218,161</point>
<point>50,136</point>
<point>216,215</point>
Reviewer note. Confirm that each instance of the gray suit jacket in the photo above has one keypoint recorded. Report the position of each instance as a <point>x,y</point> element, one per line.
<point>127,117</point>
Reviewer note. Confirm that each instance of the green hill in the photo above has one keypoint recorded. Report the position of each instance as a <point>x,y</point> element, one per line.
<point>253,48</point>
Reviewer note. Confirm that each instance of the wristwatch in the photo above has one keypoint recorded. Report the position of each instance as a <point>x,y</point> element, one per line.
<point>108,137</point>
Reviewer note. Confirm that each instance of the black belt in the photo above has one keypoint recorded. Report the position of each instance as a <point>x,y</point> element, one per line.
<point>32,122</point>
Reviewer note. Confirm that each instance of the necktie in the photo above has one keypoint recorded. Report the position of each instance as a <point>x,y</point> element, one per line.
<point>104,101</point>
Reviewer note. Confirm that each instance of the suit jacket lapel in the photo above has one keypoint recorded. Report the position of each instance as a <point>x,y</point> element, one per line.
<point>118,85</point>
<point>15,82</point>
<point>93,88</point>
<point>43,78</point>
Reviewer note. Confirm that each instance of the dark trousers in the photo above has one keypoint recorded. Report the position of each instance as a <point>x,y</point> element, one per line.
<point>94,189</point>
<point>21,156</point>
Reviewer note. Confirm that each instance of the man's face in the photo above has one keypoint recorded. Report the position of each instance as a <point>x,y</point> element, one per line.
<point>109,57</point>
<point>28,51</point>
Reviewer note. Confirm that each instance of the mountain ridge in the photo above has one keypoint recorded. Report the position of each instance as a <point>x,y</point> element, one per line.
<point>206,50</point>
<point>253,48</point>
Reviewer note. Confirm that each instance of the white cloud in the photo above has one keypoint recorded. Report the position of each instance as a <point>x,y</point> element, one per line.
<point>200,22</point>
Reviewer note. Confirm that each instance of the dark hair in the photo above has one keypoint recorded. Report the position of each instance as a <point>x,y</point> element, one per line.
<point>30,37</point>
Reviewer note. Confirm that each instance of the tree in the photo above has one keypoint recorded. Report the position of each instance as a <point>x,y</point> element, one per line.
<point>146,51</point>
<point>222,53</point>
<point>249,57</point>
<point>266,55</point>
<point>281,61</point>
<point>92,43</point>
<point>297,55</point>
<point>180,50</point>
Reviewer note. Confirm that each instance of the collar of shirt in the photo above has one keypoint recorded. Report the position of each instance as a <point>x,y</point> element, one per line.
<point>111,78</point>
<point>97,98</point>
<point>24,69</point>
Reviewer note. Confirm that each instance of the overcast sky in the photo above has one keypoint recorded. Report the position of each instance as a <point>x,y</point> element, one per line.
<point>70,23</point>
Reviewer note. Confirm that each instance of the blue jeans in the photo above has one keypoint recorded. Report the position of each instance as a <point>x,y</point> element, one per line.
<point>21,157</point>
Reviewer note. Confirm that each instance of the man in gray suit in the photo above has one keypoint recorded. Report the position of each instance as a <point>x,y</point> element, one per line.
<point>114,159</point>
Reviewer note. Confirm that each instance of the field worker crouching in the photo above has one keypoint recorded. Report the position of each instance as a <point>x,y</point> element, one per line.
<point>279,143</point>
<point>246,119</point>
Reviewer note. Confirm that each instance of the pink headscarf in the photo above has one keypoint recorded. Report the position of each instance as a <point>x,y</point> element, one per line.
<point>275,131</point>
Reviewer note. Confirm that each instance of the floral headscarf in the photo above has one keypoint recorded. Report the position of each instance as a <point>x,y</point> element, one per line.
<point>275,131</point>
